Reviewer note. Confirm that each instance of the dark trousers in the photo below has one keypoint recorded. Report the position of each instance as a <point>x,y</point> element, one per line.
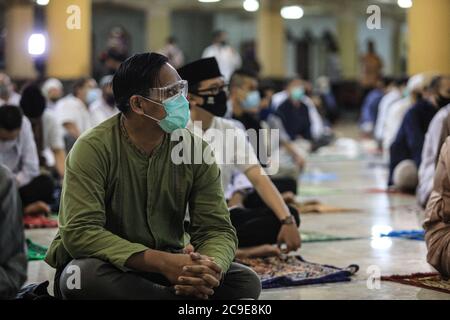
<point>100,280</point>
<point>40,188</point>
<point>253,200</point>
<point>257,226</point>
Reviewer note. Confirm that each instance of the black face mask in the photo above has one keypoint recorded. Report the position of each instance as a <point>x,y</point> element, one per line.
<point>442,101</point>
<point>215,104</point>
<point>109,99</point>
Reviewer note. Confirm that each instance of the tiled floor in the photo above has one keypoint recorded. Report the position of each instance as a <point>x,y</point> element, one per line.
<point>378,211</point>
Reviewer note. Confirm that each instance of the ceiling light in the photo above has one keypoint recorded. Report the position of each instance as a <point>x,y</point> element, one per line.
<point>405,4</point>
<point>251,5</point>
<point>37,44</point>
<point>292,12</point>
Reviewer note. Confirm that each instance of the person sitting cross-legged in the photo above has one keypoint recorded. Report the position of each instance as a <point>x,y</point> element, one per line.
<point>124,202</point>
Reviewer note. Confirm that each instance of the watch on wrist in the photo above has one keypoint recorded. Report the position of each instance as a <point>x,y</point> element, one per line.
<point>287,221</point>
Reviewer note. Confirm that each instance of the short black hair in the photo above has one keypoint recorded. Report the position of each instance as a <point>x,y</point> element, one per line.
<point>78,84</point>
<point>32,102</point>
<point>10,117</point>
<point>236,78</point>
<point>135,76</point>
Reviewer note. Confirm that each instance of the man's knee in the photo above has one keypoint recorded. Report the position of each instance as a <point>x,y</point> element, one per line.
<point>243,281</point>
<point>79,278</point>
<point>438,245</point>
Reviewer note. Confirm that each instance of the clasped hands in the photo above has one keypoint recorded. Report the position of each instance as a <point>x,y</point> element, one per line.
<point>193,274</point>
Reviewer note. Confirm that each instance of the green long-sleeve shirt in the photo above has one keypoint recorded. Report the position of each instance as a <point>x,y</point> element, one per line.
<point>116,201</point>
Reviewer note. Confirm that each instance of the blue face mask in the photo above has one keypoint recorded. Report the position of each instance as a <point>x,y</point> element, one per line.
<point>92,95</point>
<point>252,100</point>
<point>297,93</point>
<point>178,113</point>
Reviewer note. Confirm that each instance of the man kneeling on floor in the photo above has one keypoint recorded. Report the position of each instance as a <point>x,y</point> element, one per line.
<point>124,202</point>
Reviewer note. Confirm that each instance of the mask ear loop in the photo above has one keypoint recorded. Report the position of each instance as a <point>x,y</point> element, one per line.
<point>150,117</point>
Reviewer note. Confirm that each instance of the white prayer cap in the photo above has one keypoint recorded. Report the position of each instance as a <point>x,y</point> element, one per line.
<point>420,81</point>
<point>106,81</point>
<point>416,82</point>
<point>51,83</point>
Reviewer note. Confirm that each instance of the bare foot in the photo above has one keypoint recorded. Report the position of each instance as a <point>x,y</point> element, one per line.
<point>261,251</point>
<point>36,208</point>
<point>288,197</point>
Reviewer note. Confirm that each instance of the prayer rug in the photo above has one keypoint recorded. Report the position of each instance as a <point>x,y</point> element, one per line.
<point>388,191</point>
<point>407,234</point>
<point>38,222</point>
<point>318,177</point>
<point>35,251</point>
<point>311,236</point>
<point>432,281</point>
<point>312,191</point>
<point>313,206</point>
<point>276,272</point>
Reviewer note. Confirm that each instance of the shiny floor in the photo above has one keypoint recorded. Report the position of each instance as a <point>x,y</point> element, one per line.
<point>351,174</point>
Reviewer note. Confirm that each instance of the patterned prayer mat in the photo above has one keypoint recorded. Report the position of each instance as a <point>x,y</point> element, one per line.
<point>432,281</point>
<point>407,234</point>
<point>35,251</point>
<point>276,272</point>
<point>311,236</point>
<point>314,206</point>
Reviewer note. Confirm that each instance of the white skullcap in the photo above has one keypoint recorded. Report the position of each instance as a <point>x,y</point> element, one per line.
<point>51,83</point>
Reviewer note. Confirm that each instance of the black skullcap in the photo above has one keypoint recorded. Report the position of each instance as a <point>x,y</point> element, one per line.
<point>200,70</point>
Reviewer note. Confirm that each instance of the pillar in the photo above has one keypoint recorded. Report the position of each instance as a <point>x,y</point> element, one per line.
<point>271,40</point>
<point>347,38</point>
<point>19,20</point>
<point>69,25</point>
<point>429,36</point>
<point>158,26</point>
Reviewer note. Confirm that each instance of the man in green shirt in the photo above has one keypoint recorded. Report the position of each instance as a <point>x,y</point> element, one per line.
<point>124,202</point>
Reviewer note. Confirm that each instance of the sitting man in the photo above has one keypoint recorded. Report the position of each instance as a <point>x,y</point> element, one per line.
<point>438,128</point>
<point>300,116</point>
<point>19,154</point>
<point>257,227</point>
<point>13,261</point>
<point>124,202</point>
<point>437,222</point>
<point>406,151</point>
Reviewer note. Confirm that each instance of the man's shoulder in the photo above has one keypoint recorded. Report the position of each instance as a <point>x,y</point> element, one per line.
<point>103,134</point>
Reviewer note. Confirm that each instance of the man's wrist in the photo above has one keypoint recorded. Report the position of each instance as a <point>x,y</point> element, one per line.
<point>156,260</point>
<point>287,221</point>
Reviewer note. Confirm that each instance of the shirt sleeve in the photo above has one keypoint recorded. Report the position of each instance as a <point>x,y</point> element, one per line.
<point>56,133</point>
<point>82,216</point>
<point>245,156</point>
<point>30,160</point>
<point>211,231</point>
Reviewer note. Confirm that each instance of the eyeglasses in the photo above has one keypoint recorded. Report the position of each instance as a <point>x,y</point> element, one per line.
<point>177,88</point>
<point>211,91</point>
